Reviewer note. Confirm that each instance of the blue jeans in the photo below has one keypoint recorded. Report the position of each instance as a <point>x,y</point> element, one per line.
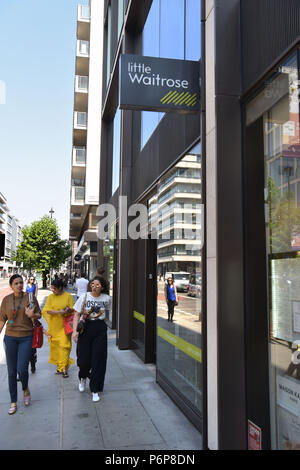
<point>18,353</point>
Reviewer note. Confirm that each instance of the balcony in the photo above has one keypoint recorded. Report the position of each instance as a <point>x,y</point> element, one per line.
<point>83,22</point>
<point>78,162</point>
<point>77,195</point>
<point>81,84</point>
<point>81,93</point>
<point>80,120</point>
<point>2,199</point>
<point>79,156</point>
<point>80,129</point>
<point>82,58</point>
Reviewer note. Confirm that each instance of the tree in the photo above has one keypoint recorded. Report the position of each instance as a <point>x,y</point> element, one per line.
<point>284,218</point>
<point>42,248</point>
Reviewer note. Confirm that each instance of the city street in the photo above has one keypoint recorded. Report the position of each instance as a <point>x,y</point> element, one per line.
<point>133,414</point>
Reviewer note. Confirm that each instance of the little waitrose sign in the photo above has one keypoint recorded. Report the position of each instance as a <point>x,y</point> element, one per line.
<point>155,84</point>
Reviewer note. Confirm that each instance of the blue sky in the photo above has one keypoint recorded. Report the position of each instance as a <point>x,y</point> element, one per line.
<point>37,65</point>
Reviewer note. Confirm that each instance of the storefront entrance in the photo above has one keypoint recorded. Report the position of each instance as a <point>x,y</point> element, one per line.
<point>272,173</point>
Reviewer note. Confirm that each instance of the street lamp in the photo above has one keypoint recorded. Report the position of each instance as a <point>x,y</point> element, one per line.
<point>51,212</point>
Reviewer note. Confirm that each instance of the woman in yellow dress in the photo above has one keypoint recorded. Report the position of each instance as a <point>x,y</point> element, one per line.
<point>58,305</point>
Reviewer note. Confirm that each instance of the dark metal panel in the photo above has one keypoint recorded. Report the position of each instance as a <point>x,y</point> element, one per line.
<point>268,27</point>
<point>228,47</point>
<point>230,286</point>
<point>256,300</point>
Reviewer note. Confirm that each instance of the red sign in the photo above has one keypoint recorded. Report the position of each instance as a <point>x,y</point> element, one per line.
<point>254,436</point>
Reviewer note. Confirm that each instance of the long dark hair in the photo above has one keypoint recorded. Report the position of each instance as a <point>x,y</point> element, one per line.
<point>103,282</point>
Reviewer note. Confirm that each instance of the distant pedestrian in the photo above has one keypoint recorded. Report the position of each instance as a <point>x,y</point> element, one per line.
<point>32,288</point>
<point>171,297</point>
<point>81,285</point>
<point>92,343</point>
<point>100,272</point>
<point>58,305</point>
<point>19,317</point>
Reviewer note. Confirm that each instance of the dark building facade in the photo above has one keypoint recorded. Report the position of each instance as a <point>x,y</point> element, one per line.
<point>221,194</point>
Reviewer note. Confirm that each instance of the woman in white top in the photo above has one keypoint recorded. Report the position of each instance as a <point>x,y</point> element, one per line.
<point>92,343</point>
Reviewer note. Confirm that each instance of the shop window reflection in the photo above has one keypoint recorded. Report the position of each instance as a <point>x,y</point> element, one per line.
<point>179,254</point>
<point>280,122</point>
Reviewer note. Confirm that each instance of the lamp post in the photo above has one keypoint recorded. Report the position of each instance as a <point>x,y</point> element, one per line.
<point>51,212</point>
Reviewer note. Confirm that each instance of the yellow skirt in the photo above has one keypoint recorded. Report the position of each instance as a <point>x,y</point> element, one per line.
<point>60,348</point>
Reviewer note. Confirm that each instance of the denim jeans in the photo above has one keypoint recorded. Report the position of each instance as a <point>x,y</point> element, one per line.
<point>18,353</point>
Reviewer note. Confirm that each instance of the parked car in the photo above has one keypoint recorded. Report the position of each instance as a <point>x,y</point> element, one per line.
<point>194,285</point>
<point>181,280</point>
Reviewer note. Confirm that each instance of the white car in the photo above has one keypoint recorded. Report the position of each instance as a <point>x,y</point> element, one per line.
<point>181,280</point>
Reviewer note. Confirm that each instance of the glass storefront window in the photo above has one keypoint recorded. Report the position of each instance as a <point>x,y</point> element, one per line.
<point>108,46</point>
<point>108,255</point>
<point>116,151</point>
<point>276,107</point>
<point>120,15</point>
<point>179,255</point>
<point>172,30</point>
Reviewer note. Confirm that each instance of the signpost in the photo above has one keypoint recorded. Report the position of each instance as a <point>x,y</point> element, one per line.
<point>156,84</point>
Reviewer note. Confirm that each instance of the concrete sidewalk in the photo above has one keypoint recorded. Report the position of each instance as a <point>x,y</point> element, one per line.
<point>134,413</point>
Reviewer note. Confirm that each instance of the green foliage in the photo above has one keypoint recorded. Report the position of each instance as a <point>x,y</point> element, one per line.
<point>284,218</point>
<point>41,247</point>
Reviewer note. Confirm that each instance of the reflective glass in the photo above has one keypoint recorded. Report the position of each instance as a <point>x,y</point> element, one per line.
<point>193,30</point>
<point>120,15</point>
<point>116,151</point>
<point>179,256</point>
<point>172,30</point>
<point>108,48</point>
<point>278,111</point>
<point>171,40</point>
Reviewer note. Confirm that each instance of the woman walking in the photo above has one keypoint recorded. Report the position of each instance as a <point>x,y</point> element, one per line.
<point>19,317</point>
<point>32,288</point>
<point>171,297</point>
<point>58,305</point>
<point>92,343</point>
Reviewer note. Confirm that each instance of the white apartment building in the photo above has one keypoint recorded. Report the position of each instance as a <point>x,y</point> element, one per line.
<point>10,237</point>
<point>84,194</point>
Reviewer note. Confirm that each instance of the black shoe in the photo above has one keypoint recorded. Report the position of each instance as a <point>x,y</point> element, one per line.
<point>33,369</point>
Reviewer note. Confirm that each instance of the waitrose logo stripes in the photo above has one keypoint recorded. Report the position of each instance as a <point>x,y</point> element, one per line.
<point>155,84</point>
<point>179,100</point>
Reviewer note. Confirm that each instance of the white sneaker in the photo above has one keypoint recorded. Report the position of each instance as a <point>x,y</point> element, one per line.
<point>81,385</point>
<point>96,396</point>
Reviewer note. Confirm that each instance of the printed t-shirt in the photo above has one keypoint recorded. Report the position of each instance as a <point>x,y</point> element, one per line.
<point>102,302</point>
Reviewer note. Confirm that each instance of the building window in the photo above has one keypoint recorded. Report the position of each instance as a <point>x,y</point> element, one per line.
<point>108,44</point>
<point>179,255</point>
<point>275,111</point>
<point>172,30</point>
<point>120,15</point>
<point>116,151</point>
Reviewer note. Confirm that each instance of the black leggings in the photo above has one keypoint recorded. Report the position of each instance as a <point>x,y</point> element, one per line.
<point>171,305</point>
<point>92,354</point>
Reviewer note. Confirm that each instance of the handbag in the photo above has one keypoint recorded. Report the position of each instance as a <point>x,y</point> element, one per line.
<point>81,324</point>
<point>68,324</point>
<point>37,340</point>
